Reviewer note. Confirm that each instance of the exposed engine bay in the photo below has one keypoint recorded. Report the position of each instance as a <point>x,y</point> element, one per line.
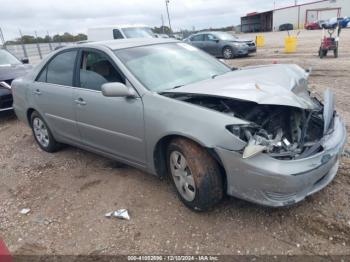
<point>284,132</point>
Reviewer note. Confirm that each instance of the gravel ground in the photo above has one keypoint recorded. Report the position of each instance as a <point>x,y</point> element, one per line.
<point>70,191</point>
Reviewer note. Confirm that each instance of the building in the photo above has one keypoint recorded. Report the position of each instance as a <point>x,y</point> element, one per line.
<point>298,15</point>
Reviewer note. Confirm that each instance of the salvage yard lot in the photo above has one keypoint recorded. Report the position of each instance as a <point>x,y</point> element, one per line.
<point>70,191</point>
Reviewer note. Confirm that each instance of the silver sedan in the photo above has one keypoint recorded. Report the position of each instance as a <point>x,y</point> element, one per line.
<point>166,107</point>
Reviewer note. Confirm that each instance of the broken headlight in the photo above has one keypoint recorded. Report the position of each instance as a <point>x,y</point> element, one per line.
<point>259,140</point>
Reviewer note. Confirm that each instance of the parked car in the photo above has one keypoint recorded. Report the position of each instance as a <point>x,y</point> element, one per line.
<point>286,27</point>
<point>160,35</point>
<point>333,22</point>
<point>10,68</point>
<point>344,22</point>
<point>314,25</point>
<point>166,107</point>
<point>119,32</point>
<point>222,44</point>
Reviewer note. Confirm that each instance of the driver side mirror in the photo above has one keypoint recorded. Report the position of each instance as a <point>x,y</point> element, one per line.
<point>25,60</point>
<point>117,89</point>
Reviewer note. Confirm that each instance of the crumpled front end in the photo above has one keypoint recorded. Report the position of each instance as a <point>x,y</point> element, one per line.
<point>291,139</point>
<point>274,182</point>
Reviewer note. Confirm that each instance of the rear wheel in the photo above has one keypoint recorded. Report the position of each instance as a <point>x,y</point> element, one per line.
<point>320,53</point>
<point>42,134</point>
<point>195,174</point>
<point>227,52</point>
<point>336,52</point>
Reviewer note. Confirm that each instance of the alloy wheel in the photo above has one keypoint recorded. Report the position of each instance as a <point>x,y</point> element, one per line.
<point>41,132</point>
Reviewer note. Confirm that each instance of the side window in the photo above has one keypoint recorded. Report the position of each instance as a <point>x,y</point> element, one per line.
<point>117,34</point>
<point>197,38</point>
<point>209,37</point>
<point>96,70</point>
<point>42,75</point>
<point>60,69</point>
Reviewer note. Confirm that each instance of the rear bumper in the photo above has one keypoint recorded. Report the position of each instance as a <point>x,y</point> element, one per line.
<point>271,182</point>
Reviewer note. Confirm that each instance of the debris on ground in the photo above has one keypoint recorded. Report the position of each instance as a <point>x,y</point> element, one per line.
<point>120,213</point>
<point>24,211</point>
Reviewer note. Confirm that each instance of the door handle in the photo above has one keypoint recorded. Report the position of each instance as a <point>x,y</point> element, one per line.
<point>80,101</point>
<point>37,92</point>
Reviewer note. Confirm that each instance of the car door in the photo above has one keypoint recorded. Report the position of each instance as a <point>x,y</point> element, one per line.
<point>197,41</point>
<point>210,44</point>
<point>113,125</point>
<point>53,95</point>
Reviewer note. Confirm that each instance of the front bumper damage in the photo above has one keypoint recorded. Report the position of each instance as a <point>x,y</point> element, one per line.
<point>5,97</point>
<point>268,181</point>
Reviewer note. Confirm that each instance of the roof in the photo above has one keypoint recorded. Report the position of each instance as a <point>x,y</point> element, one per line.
<point>286,7</point>
<point>131,42</point>
<point>309,3</point>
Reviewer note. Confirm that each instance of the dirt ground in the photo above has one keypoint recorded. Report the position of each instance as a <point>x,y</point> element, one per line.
<point>70,191</point>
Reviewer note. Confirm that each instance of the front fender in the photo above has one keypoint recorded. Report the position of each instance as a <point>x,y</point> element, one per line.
<point>166,116</point>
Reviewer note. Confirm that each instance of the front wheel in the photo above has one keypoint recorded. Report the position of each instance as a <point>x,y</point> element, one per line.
<point>227,53</point>
<point>195,174</point>
<point>42,134</point>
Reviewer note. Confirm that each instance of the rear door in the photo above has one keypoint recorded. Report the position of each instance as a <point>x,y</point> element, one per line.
<point>197,40</point>
<point>53,95</point>
<point>210,44</point>
<point>113,125</point>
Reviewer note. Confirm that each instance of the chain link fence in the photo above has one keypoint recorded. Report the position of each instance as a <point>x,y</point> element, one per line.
<point>34,52</point>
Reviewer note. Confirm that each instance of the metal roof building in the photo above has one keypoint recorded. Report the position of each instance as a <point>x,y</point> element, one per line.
<point>298,15</point>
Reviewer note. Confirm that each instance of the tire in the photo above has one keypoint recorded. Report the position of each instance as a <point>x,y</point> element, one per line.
<point>320,53</point>
<point>336,52</point>
<point>227,52</point>
<point>195,174</point>
<point>42,133</point>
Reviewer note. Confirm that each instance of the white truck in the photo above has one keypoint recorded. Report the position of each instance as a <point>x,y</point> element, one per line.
<point>119,32</point>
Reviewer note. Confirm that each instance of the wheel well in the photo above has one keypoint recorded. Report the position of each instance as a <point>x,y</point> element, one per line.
<point>29,114</point>
<point>159,156</point>
<point>226,46</point>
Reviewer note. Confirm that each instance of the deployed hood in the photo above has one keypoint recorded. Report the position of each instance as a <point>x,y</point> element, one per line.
<point>10,72</point>
<point>271,85</point>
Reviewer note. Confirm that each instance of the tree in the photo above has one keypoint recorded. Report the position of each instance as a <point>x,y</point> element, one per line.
<point>162,30</point>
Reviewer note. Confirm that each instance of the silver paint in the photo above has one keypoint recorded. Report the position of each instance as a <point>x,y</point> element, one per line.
<point>129,129</point>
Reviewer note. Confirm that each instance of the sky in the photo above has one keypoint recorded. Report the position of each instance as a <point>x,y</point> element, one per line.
<point>75,16</point>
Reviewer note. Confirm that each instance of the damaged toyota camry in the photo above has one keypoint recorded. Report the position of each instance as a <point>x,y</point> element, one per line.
<point>256,133</point>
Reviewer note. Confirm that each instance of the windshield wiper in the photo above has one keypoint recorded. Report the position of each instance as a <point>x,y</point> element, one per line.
<point>177,86</point>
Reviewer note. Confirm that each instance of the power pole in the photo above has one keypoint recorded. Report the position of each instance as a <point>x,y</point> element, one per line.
<point>296,2</point>
<point>167,10</point>
<point>161,17</point>
<point>2,37</point>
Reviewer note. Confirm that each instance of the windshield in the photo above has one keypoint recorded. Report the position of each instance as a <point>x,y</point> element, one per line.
<point>166,66</point>
<point>8,59</point>
<point>138,32</point>
<point>225,36</point>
